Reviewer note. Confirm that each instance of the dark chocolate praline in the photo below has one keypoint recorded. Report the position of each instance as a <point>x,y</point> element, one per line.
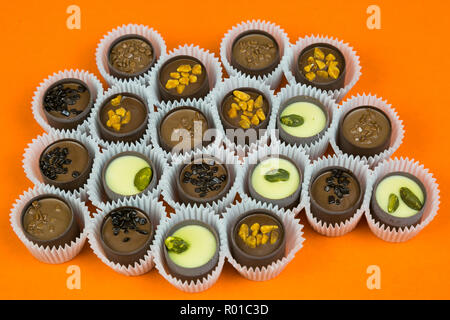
<point>72,230</point>
<point>138,228</point>
<point>388,220</point>
<point>237,62</point>
<point>330,213</point>
<point>140,124</point>
<point>121,74</point>
<point>76,110</point>
<point>201,87</point>
<point>69,171</point>
<point>301,141</point>
<point>334,84</point>
<point>243,257</point>
<point>289,202</point>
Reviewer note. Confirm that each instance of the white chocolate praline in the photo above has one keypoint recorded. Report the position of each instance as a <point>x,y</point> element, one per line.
<point>119,175</point>
<point>392,184</point>
<point>275,190</point>
<point>313,116</point>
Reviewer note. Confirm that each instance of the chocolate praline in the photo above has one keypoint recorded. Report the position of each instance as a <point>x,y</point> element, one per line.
<point>67,103</point>
<point>200,192</point>
<point>54,225</point>
<point>301,141</point>
<point>114,196</point>
<point>183,118</point>
<point>196,90</point>
<point>389,220</point>
<point>287,202</point>
<point>301,62</point>
<point>327,203</point>
<point>66,164</point>
<point>364,131</point>
<point>142,53</point>
<point>126,234</point>
<point>264,254</point>
<point>194,273</point>
<point>255,52</point>
<point>129,132</point>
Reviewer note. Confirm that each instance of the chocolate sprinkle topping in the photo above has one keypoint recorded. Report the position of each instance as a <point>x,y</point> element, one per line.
<point>337,182</point>
<point>203,176</point>
<point>126,219</point>
<point>59,98</point>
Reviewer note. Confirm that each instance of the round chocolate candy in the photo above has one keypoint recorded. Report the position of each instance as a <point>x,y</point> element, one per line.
<point>67,103</point>
<point>182,77</point>
<point>398,200</point>
<point>255,52</point>
<point>65,164</point>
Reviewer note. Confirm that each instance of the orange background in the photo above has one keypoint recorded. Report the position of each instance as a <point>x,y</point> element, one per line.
<point>405,62</point>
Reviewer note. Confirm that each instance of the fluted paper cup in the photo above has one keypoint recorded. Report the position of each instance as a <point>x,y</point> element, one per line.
<point>94,85</point>
<point>353,68</point>
<point>397,133</point>
<point>431,206</point>
<point>293,233</point>
<point>361,172</point>
<point>272,79</point>
<point>200,214</point>
<point>95,188</point>
<point>155,211</point>
<point>101,54</point>
<point>47,254</point>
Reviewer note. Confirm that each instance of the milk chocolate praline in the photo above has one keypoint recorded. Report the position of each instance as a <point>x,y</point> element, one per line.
<point>334,84</point>
<point>197,273</point>
<point>331,213</point>
<point>239,60</point>
<point>67,103</point>
<point>244,257</point>
<point>195,90</point>
<point>71,227</point>
<point>74,166</point>
<point>116,72</point>
<point>135,129</point>
<point>118,247</point>
<point>391,221</point>
<point>380,142</point>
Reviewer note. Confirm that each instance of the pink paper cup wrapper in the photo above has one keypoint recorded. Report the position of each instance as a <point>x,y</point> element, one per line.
<point>52,255</point>
<point>101,54</point>
<point>362,173</point>
<point>155,211</point>
<point>37,107</point>
<point>200,214</point>
<point>397,133</point>
<point>272,79</point>
<point>294,239</point>
<point>353,68</point>
<point>431,206</point>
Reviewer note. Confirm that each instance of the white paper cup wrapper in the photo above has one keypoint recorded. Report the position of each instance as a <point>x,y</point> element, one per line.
<point>233,83</point>
<point>38,145</point>
<point>121,87</point>
<point>200,214</point>
<point>293,233</point>
<point>362,173</point>
<point>319,147</point>
<point>53,255</point>
<point>169,178</point>
<point>431,205</point>
<point>211,63</point>
<point>272,79</point>
<point>353,68</point>
<point>155,211</point>
<point>295,154</point>
<point>101,54</point>
<point>370,100</point>
<point>165,107</point>
<point>95,188</point>
<point>37,107</point>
